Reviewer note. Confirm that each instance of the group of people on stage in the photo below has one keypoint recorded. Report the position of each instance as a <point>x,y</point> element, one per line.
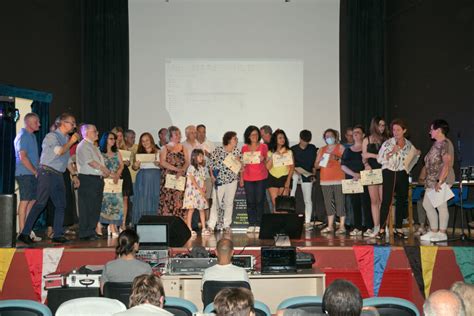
<point>175,177</point>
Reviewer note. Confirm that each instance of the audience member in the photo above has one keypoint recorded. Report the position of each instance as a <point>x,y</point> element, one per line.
<point>254,176</point>
<point>329,161</point>
<point>126,267</point>
<point>225,181</point>
<point>443,303</point>
<point>342,298</point>
<point>234,302</point>
<point>146,198</point>
<point>26,168</point>
<point>53,162</point>
<point>92,170</point>
<point>148,297</point>
<point>466,293</point>
<point>304,154</point>
<point>279,176</point>
<point>224,270</point>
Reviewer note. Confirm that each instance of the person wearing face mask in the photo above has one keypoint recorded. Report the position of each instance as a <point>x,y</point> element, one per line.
<point>329,161</point>
<point>392,156</point>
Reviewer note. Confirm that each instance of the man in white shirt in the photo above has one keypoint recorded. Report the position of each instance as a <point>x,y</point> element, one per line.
<point>224,270</point>
<point>92,170</point>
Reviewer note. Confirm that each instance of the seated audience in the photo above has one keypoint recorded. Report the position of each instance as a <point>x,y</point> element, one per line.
<point>443,302</point>
<point>148,297</point>
<point>224,270</point>
<point>466,293</point>
<point>342,298</point>
<point>234,302</point>
<point>126,267</point>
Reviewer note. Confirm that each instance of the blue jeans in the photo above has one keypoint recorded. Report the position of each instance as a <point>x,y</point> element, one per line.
<point>255,194</point>
<point>50,185</point>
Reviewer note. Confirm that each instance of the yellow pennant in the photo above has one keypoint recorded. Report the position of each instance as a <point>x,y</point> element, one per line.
<point>428,259</point>
<point>6,256</point>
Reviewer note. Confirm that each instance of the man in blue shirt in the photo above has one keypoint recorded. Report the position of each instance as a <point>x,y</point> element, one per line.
<point>53,162</point>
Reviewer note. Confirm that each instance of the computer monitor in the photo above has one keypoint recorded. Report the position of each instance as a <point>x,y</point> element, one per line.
<point>152,234</point>
<point>281,224</point>
<point>278,259</point>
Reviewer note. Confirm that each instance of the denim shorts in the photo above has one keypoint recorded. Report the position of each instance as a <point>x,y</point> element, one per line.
<point>27,185</point>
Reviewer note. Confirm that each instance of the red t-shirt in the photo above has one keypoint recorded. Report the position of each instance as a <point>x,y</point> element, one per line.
<point>256,172</point>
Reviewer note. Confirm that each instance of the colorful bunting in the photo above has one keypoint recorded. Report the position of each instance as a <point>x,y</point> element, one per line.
<point>365,261</point>
<point>428,259</point>
<point>414,258</point>
<point>381,254</point>
<point>6,256</point>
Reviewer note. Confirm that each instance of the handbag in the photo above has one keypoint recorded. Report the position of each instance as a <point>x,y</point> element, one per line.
<point>285,203</point>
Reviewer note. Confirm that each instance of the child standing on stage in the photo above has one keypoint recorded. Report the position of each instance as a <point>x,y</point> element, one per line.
<point>195,192</point>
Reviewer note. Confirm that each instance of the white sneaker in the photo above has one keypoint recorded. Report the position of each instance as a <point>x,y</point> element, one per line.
<point>251,229</point>
<point>439,236</point>
<point>368,233</point>
<point>355,232</point>
<point>34,237</point>
<point>308,226</point>
<point>257,229</point>
<point>428,236</point>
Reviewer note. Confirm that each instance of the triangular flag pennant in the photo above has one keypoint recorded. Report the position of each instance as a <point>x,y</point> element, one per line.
<point>428,259</point>
<point>34,258</point>
<point>365,260</point>
<point>6,256</point>
<point>465,260</point>
<point>51,258</point>
<point>414,258</point>
<point>381,254</point>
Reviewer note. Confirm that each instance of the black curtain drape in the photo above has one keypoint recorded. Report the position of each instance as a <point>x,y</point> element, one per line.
<point>7,152</point>
<point>42,109</point>
<point>105,63</point>
<point>362,43</point>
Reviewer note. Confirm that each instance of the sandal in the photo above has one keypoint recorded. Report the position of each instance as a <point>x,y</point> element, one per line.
<point>206,232</point>
<point>380,235</point>
<point>340,231</point>
<point>193,233</point>
<point>400,235</point>
<point>327,230</point>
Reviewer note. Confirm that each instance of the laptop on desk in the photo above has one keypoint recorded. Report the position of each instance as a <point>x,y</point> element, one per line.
<point>278,260</point>
<point>154,244</point>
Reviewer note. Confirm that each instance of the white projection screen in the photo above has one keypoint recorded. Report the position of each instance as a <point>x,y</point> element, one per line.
<point>233,63</point>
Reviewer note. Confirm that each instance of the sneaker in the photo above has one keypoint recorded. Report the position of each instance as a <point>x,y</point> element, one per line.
<point>368,233</point>
<point>428,236</point>
<point>251,229</point>
<point>439,236</point>
<point>355,232</point>
<point>34,237</point>
<point>341,231</point>
<point>257,229</point>
<point>25,239</point>
<point>60,240</point>
<point>308,226</point>
<point>327,230</point>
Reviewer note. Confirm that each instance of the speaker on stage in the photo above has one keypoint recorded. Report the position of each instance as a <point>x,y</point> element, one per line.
<point>178,231</point>
<point>7,220</point>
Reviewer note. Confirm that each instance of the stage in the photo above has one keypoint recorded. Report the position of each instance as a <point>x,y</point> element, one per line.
<point>335,256</point>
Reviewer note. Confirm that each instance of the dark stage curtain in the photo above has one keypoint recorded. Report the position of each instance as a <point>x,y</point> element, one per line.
<point>7,152</point>
<point>105,62</point>
<point>42,109</point>
<point>362,86</point>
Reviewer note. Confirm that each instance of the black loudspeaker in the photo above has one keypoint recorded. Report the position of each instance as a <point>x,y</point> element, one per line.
<point>7,220</point>
<point>178,231</point>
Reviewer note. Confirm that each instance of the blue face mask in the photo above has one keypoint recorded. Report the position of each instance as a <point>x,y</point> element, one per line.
<point>330,141</point>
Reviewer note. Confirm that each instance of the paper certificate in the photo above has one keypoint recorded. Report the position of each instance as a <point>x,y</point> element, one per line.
<point>411,159</point>
<point>126,154</point>
<point>175,183</point>
<point>145,157</point>
<point>303,172</point>
<point>111,187</point>
<point>438,198</point>
<point>323,163</point>
<point>251,158</point>
<point>280,160</point>
<point>370,177</point>
<point>232,163</point>
<point>352,186</point>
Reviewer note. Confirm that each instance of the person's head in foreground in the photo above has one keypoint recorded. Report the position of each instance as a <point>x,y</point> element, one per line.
<point>147,289</point>
<point>443,303</point>
<point>466,293</point>
<point>234,302</point>
<point>225,251</point>
<point>342,298</point>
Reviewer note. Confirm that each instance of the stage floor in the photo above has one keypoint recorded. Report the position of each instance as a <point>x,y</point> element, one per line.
<point>241,239</point>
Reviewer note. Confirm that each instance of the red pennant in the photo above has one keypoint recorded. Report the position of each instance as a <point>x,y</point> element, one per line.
<point>365,260</point>
<point>34,258</point>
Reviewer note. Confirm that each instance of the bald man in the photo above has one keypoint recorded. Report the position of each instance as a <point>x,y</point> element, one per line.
<point>224,270</point>
<point>443,303</point>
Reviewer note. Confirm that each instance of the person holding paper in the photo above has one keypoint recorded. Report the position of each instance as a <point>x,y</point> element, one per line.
<point>329,161</point>
<point>129,139</point>
<point>439,172</point>
<point>127,184</point>
<point>195,192</point>
<point>174,161</point>
<point>146,189</point>
<point>225,180</point>
<point>370,150</point>
<point>392,156</point>
<point>112,203</point>
<point>280,166</point>
<point>352,165</point>
<point>253,176</point>
<point>304,155</point>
